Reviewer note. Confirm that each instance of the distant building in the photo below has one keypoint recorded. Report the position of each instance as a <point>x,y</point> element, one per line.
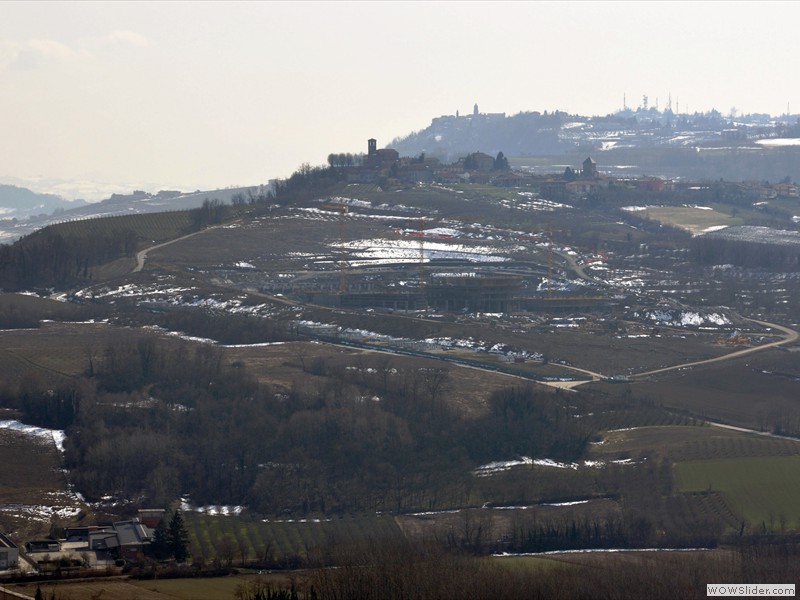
<point>585,187</point>
<point>9,554</point>
<point>478,161</point>
<point>379,158</point>
<point>79,534</point>
<point>589,168</point>
<point>377,163</point>
<point>151,516</point>
<point>42,546</point>
<point>651,184</point>
<point>415,173</point>
<point>553,189</point>
<point>124,539</point>
<point>786,190</point>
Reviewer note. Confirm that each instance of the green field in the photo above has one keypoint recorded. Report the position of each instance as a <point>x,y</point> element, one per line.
<point>763,490</point>
<point>238,540</point>
<point>217,588</point>
<point>685,444</point>
<point>200,588</point>
<point>691,218</point>
<point>149,227</point>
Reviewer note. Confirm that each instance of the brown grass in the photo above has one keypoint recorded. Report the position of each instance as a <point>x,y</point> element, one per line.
<point>203,588</point>
<point>30,476</point>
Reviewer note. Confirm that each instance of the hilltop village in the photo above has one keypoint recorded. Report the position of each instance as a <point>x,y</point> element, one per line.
<point>385,166</point>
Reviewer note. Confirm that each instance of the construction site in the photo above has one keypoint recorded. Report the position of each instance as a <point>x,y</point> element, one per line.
<point>436,268</point>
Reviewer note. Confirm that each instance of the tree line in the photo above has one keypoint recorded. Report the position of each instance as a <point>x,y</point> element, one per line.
<point>52,258</point>
<point>712,250</point>
<point>155,419</point>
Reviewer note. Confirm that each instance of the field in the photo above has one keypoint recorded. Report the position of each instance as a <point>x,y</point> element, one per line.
<point>149,228</point>
<point>689,443</point>
<point>758,391</point>
<point>33,489</point>
<point>763,490</point>
<point>202,588</point>
<point>281,541</point>
<point>692,218</point>
<point>56,351</point>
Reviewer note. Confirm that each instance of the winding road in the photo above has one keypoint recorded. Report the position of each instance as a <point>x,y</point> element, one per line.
<point>791,336</point>
<point>141,256</point>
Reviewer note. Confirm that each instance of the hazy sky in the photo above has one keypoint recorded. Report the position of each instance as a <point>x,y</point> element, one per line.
<point>99,97</point>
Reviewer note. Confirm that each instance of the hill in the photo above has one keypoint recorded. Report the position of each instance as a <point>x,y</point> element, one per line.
<point>22,203</point>
<point>28,212</point>
<point>343,362</point>
<point>634,143</point>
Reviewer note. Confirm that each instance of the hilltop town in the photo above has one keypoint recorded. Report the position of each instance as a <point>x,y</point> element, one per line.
<point>588,180</point>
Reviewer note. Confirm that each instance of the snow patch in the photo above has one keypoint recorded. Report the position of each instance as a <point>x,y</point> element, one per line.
<point>57,436</point>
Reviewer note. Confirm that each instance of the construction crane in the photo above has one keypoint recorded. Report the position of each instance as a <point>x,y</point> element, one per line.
<point>422,260</point>
<point>549,261</point>
<point>341,209</point>
<point>342,264</point>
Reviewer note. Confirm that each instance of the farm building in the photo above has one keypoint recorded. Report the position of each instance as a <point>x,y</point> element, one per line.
<point>47,545</point>
<point>126,539</point>
<point>151,516</point>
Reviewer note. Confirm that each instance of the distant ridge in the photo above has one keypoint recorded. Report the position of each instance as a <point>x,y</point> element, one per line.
<point>648,142</point>
<point>137,202</point>
<point>22,203</point>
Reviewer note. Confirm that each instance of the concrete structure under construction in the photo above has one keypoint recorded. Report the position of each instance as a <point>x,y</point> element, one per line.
<point>473,292</point>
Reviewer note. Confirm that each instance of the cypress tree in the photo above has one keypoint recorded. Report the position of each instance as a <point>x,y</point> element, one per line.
<point>178,537</point>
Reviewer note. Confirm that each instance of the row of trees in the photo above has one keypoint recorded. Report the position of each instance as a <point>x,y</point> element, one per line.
<point>712,250</point>
<point>408,570</point>
<point>343,160</point>
<point>54,258</point>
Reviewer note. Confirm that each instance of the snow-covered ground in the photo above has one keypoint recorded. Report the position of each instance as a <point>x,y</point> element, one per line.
<point>504,465</point>
<point>427,343</point>
<point>683,318</point>
<point>55,436</point>
<point>385,251</point>
<point>63,504</point>
<point>215,510</point>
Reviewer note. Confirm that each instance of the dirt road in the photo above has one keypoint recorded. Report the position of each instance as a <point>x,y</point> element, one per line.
<point>791,336</point>
<point>141,256</point>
